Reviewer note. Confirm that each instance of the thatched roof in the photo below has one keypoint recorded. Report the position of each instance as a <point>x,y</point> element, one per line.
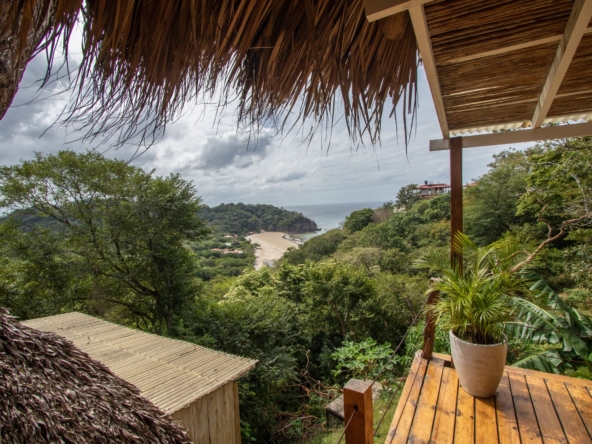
<point>312,60</point>
<point>499,64</point>
<point>52,392</point>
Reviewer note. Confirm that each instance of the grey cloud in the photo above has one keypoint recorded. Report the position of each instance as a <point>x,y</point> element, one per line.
<point>219,152</point>
<point>287,177</point>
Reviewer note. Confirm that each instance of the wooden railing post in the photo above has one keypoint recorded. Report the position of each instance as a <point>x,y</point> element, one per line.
<point>429,332</point>
<point>456,196</point>
<point>357,401</point>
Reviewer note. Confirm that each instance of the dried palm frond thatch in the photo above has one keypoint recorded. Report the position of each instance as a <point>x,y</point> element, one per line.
<point>52,392</point>
<point>25,29</point>
<point>285,62</point>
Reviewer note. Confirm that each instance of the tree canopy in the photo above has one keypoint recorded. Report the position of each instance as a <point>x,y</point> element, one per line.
<point>114,229</point>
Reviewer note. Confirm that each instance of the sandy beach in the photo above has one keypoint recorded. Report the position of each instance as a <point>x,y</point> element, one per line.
<point>272,247</point>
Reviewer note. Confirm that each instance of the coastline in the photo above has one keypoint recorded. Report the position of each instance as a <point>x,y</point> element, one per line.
<point>272,246</point>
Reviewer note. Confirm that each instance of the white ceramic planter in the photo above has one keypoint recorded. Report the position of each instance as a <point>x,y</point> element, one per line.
<point>479,367</point>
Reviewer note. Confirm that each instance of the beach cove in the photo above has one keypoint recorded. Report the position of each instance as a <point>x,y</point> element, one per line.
<point>272,246</point>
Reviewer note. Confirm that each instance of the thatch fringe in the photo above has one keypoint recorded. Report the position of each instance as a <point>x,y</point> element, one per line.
<point>52,392</point>
<point>287,63</point>
<point>26,27</point>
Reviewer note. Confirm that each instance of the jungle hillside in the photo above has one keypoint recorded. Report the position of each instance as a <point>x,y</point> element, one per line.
<point>143,251</point>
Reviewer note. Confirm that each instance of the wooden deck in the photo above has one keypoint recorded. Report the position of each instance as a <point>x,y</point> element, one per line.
<point>529,407</point>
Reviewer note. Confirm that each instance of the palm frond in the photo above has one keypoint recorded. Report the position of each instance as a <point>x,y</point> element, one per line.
<point>548,362</point>
<point>474,300</point>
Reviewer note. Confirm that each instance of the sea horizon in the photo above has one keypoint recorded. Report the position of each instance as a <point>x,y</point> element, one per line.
<point>327,216</point>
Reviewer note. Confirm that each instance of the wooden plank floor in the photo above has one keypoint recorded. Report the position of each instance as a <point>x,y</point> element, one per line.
<point>529,407</point>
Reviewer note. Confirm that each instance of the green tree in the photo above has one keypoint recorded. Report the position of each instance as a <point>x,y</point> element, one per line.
<point>118,227</point>
<point>492,202</point>
<point>407,196</point>
<point>316,248</point>
<point>559,188</point>
<point>253,322</point>
<point>358,220</point>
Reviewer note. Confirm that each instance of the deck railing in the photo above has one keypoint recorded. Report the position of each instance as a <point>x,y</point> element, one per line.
<point>357,395</point>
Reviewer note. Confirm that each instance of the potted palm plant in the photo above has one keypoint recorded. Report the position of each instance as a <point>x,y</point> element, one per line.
<point>475,304</point>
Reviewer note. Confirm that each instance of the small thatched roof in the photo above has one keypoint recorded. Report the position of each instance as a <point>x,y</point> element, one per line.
<point>52,392</point>
<point>296,59</point>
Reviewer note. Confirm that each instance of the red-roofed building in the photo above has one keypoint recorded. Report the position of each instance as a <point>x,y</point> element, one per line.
<point>431,190</point>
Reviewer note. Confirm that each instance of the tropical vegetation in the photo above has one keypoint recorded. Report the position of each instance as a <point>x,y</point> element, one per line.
<point>97,235</point>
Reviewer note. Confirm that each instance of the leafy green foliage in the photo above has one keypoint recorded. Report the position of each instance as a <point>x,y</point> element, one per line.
<point>491,203</point>
<point>358,220</point>
<point>567,331</point>
<point>362,360</point>
<point>316,249</point>
<point>559,186</point>
<point>118,230</point>
<point>414,342</point>
<point>476,298</point>
<point>407,196</point>
<point>223,256</point>
<point>577,257</point>
<point>259,325</point>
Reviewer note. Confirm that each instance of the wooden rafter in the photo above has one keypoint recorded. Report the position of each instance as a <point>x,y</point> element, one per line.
<point>519,136</point>
<point>379,9</point>
<point>422,34</point>
<point>574,31</point>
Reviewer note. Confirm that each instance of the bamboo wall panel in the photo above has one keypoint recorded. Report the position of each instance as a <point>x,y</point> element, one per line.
<point>213,418</point>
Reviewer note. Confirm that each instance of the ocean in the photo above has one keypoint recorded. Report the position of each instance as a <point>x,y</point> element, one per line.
<point>327,216</point>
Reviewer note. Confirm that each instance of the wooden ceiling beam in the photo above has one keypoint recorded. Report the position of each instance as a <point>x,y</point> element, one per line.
<point>424,43</point>
<point>574,31</point>
<point>379,9</point>
<point>518,136</point>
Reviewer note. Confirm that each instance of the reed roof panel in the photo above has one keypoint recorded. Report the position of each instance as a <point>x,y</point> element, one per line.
<point>474,95</point>
<point>574,107</point>
<point>170,373</point>
<point>460,28</point>
<point>506,115</point>
<point>579,75</point>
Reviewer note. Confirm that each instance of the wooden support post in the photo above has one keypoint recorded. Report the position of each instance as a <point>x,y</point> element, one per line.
<point>357,401</point>
<point>456,195</point>
<point>429,333</point>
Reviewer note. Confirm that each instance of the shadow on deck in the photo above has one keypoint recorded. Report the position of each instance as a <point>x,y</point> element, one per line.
<point>529,407</point>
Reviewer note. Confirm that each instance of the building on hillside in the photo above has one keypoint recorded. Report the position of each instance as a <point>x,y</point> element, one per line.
<point>50,391</point>
<point>232,251</point>
<point>195,385</point>
<point>431,190</point>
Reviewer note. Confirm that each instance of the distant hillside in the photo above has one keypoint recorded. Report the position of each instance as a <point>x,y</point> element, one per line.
<point>242,219</point>
<point>225,218</point>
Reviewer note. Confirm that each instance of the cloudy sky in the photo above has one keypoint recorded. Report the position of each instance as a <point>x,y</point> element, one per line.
<point>225,168</point>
